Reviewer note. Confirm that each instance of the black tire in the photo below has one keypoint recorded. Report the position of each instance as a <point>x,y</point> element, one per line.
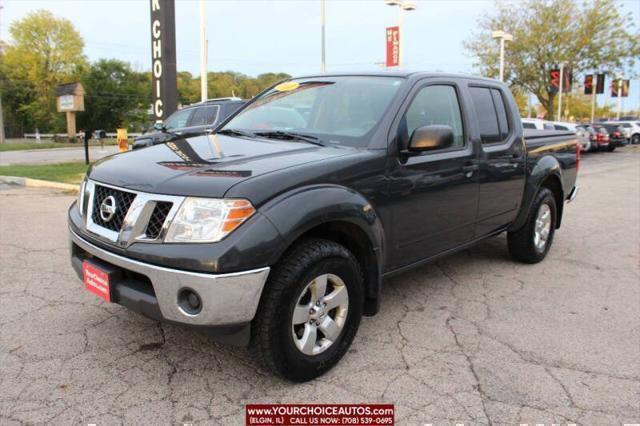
<point>611,148</point>
<point>635,139</point>
<point>272,342</point>
<point>521,242</point>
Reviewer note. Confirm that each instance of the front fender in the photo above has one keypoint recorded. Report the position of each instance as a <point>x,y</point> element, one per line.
<point>540,169</point>
<point>297,211</point>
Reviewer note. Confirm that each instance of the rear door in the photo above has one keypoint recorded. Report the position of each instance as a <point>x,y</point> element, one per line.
<point>502,157</point>
<point>433,195</point>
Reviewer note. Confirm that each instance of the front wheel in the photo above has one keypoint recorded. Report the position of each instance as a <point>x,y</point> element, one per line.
<point>635,139</point>
<point>611,148</point>
<point>310,310</point>
<point>531,243</point>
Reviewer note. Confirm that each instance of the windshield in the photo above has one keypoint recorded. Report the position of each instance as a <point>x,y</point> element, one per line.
<point>337,110</point>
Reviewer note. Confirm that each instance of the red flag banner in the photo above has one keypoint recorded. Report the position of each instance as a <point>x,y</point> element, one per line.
<point>624,88</point>
<point>393,46</point>
<point>588,84</point>
<point>600,84</point>
<point>554,76</point>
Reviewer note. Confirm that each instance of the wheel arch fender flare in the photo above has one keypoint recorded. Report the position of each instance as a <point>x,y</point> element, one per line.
<point>545,168</point>
<point>299,211</point>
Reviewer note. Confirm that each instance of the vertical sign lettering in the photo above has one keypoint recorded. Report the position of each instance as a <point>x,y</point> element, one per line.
<point>393,47</point>
<point>163,59</point>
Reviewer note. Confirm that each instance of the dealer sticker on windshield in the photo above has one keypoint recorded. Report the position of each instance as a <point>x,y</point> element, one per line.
<point>287,86</point>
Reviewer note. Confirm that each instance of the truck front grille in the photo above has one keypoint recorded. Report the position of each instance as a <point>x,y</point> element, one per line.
<point>158,217</point>
<point>123,200</point>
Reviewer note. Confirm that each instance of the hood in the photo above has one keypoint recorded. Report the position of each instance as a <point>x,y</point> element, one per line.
<point>205,165</point>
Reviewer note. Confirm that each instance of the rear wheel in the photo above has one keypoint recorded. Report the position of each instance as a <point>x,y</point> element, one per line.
<point>635,139</point>
<point>531,243</point>
<point>310,311</point>
<point>611,147</point>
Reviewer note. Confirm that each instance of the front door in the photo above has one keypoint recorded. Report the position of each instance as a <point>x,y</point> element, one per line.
<point>434,195</point>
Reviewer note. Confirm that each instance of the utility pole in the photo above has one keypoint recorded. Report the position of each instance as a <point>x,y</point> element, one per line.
<point>403,5</point>
<point>503,37</point>
<point>323,63</point>
<point>559,116</point>
<point>203,51</point>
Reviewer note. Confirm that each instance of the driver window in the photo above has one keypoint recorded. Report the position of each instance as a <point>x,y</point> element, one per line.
<point>436,104</point>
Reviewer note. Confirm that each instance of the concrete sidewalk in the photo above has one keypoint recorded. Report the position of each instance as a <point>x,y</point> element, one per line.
<point>56,155</point>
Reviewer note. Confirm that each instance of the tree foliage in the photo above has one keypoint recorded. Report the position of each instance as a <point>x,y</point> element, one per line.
<point>45,51</point>
<point>116,96</point>
<point>587,37</point>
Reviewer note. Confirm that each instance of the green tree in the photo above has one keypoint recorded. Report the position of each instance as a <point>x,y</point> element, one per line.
<point>116,96</point>
<point>44,52</point>
<point>593,36</point>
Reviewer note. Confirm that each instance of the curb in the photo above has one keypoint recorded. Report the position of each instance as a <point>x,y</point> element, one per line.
<point>37,183</point>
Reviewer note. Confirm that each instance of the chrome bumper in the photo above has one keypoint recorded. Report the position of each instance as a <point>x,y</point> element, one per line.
<point>226,298</point>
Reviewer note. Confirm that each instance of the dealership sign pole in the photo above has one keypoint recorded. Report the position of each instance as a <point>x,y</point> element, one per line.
<point>163,59</point>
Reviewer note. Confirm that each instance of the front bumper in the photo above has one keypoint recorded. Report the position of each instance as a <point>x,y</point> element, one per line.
<point>227,299</point>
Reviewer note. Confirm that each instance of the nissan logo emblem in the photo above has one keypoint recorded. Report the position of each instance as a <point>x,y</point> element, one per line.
<point>108,208</point>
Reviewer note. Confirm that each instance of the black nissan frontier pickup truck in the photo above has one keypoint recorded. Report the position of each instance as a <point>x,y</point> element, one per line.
<point>278,230</point>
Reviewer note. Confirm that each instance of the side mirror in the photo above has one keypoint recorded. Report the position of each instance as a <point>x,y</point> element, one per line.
<point>430,138</point>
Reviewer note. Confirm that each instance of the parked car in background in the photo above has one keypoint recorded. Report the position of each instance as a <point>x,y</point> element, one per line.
<point>599,137</point>
<point>190,120</point>
<point>616,135</point>
<point>536,123</point>
<point>584,137</point>
<point>630,130</point>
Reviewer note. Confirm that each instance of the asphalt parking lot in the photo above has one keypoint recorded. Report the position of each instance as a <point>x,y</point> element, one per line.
<point>473,338</point>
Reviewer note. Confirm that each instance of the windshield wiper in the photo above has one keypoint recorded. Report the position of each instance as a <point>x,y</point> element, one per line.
<point>280,134</point>
<point>236,132</point>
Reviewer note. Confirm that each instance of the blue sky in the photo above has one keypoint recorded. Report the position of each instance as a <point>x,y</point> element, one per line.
<point>255,36</point>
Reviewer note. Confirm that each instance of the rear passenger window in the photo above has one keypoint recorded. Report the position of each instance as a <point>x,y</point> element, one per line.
<point>528,126</point>
<point>205,115</point>
<point>503,121</point>
<point>491,114</point>
<point>437,104</point>
<point>557,127</point>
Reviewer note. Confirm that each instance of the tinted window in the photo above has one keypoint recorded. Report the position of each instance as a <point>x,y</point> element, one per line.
<point>205,115</point>
<point>528,125</point>
<point>436,105</point>
<point>547,126</point>
<point>558,127</point>
<point>626,125</point>
<point>503,121</point>
<point>178,119</point>
<point>486,114</point>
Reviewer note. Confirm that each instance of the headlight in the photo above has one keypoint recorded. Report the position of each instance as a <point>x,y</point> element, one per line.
<point>81,196</point>
<point>207,220</point>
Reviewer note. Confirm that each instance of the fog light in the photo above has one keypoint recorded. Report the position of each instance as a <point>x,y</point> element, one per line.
<point>189,301</point>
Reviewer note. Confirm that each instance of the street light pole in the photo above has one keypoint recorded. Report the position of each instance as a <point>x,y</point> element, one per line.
<point>323,63</point>
<point>203,52</point>
<point>403,5</point>
<point>503,37</point>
